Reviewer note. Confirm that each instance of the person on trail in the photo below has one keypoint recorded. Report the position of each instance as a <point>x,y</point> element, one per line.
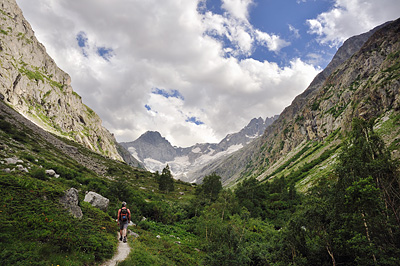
<point>124,218</point>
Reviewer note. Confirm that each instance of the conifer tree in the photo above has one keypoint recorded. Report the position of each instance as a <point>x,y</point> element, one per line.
<point>166,181</point>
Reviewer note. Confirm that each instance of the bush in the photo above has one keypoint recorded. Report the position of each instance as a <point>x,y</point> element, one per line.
<point>39,173</point>
<point>28,157</point>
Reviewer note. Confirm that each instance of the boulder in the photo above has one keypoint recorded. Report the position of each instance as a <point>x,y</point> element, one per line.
<point>22,168</point>
<point>50,172</point>
<point>70,202</point>
<point>7,170</point>
<point>13,160</point>
<point>97,200</point>
<point>131,233</point>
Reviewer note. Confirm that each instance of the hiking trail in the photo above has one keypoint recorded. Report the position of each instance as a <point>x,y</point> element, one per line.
<point>122,253</point>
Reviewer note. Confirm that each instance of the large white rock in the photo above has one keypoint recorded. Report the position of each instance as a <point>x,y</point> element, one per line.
<point>50,172</point>
<point>97,200</point>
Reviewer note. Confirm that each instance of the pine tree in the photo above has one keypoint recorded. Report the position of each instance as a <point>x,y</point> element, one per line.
<point>166,181</point>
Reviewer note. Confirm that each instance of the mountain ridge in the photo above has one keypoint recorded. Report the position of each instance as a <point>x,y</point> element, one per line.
<point>154,151</point>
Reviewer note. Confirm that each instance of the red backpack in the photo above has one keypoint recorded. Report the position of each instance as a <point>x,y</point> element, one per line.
<point>124,214</point>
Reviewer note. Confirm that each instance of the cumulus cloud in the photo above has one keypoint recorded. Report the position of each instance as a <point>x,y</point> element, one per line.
<point>351,17</point>
<point>234,26</point>
<point>273,42</point>
<point>167,65</point>
<point>237,8</point>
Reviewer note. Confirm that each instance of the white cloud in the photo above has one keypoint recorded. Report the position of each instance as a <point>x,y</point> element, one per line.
<point>169,45</point>
<point>272,42</point>
<point>235,27</point>
<point>239,9</point>
<point>351,17</point>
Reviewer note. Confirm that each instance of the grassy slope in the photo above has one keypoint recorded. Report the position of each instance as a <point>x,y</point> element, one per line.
<point>36,230</point>
<point>312,160</point>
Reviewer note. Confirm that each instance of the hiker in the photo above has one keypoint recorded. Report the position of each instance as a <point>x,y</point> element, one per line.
<point>124,218</point>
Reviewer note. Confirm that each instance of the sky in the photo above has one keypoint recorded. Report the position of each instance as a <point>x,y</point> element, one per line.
<point>195,70</point>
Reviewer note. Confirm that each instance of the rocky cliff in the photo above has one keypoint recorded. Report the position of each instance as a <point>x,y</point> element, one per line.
<point>154,151</point>
<point>362,80</point>
<point>32,84</point>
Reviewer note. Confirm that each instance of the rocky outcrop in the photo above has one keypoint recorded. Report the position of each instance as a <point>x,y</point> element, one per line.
<point>70,201</point>
<point>33,85</point>
<point>97,200</point>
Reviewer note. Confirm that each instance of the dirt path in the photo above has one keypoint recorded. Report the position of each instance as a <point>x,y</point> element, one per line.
<point>122,253</point>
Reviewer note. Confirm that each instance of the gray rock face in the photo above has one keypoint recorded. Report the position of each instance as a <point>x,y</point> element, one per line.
<point>70,202</point>
<point>152,145</point>
<point>97,200</point>
<point>33,85</point>
<point>253,130</point>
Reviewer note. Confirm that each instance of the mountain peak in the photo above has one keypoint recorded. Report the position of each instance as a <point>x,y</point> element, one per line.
<point>153,137</point>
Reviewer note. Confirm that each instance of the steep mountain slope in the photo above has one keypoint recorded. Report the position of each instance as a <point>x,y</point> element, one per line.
<point>33,85</point>
<point>47,233</point>
<point>155,151</point>
<point>365,85</point>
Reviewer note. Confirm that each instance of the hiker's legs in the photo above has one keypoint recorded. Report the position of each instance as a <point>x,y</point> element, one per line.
<point>121,231</point>
<point>124,232</point>
<point>125,229</point>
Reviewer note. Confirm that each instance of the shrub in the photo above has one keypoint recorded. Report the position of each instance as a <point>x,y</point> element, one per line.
<point>39,173</point>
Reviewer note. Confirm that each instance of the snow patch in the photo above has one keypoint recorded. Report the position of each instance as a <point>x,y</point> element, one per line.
<point>234,148</point>
<point>206,158</point>
<point>196,150</point>
<point>154,165</point>
<point>252,137</point>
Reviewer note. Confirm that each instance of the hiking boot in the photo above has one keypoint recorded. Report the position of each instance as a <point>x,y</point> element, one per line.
<point>120,239</point>
<point>124,239</point>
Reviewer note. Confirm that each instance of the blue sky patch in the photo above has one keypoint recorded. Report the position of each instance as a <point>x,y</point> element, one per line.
<point>147,107</point>
<point>83,43</point>
<point>194,120</point>
<point>82,39</point>
<point>104,52</point>
<point>168,93</point>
